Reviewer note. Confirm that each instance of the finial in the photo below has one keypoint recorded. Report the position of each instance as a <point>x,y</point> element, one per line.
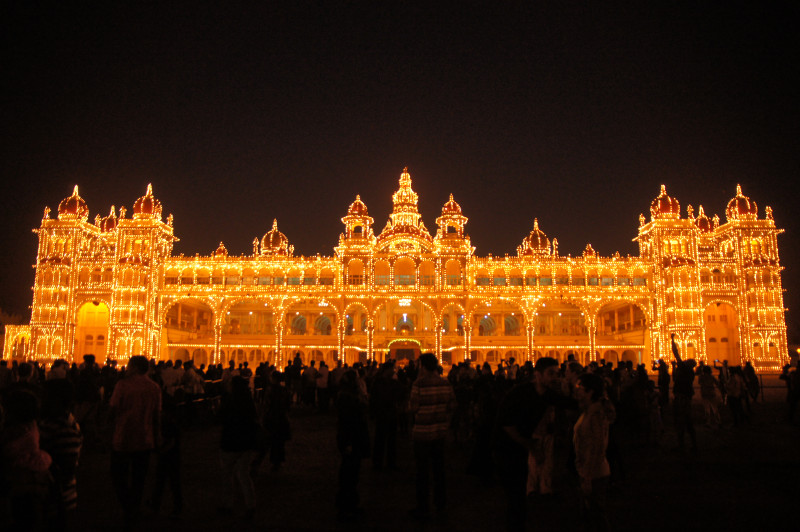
<point>738,190</point>
<point>358,197</point>
<point>535,224</point>
<point>97,220</point>
<point>690,211</point>
<point>75,191</point>
<point>663,190</point>
<point>46,213</point>
<point>768,212</point>
<point>275,224</point>
<point>451,196</point>
<point>641,219</point>
<point>701,212</point>
<point>122,211</point>
<point>112,212</point>
<point>149,189</point>
<point>405,169</point>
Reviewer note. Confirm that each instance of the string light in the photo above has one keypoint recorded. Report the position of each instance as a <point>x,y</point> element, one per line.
<point>149,301</point>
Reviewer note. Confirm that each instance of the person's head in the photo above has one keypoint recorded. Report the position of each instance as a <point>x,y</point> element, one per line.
<point>590,388</point>
<point>428,362</point>
<point>546,371</point>
<point>574,369</point>
<point>58,397</point>
<point>138,365</point>
<point>88,359</point>
<point>24,371</point>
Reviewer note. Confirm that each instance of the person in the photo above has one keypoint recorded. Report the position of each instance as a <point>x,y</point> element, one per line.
<point>26,479</point>
<point>61,437</point>
<point>168,459</point>
<point>708,393</point>
<point>135,408</point>
<point>276,420</point>
<point>518,415</point>
<point>736,391</point>
<point>432,402</point>
<point>683,391</point>
<point>238,445</point>
<point>383,408</point>
<point>352,440</point>
<point>590,439</point>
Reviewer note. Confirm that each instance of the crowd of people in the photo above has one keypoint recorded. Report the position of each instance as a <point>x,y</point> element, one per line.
<point>517,419</point>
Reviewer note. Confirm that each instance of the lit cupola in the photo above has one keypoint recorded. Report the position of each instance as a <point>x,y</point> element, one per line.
<point>665,206</point>
<point>741,207</point>
<point>536,243</point>
<point>147,206</point>
<point>451,222</point>
<point>275,243</point>
<point>73,207</point>
<point>358,223</point>
<point>109,223</point>
<point>702,222</point>
<point>405,229</point>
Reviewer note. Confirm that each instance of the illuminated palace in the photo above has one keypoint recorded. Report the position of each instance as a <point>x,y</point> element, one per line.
<point>113,288</point>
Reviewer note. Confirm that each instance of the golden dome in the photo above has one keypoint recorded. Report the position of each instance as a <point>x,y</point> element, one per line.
<point>109,223</point>
<point>702,222</point>
<point>357,208</point>
<point>73,207</point>
<point>451,207</point>
<point>536,243</point>
<point>741,207</point>
<point>147,206</point>
<point>274,242</point>
<point>665,206</point>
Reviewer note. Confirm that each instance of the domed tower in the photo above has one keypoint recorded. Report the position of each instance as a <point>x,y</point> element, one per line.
<point>358,224</point>
<point>143,245</point>
<point>703,223</point>
<point>73,207</point>
<point>665,206</point>
<point>451,223</point>
<point>275,244</point>
<point>147,206</point>
<point>670,244</point>
<point>405,228</point>
<point>741,207</point>
<point>536,244</point>
<point>108,223</point>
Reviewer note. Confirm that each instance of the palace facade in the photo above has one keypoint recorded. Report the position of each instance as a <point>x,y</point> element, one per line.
<point>113,288</point>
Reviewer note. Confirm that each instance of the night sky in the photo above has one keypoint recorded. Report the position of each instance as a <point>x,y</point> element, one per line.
<point>571,114</point>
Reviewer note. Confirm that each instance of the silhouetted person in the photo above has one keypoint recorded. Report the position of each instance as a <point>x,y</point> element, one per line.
<point>61,437</point>
<point>517,418</point>
<point>432,402</point>
<point>168,458</point>
<point>683,391</point>
<point>590,439</point>
<point>136,414</point>
<point>383,401</point>
<point>352,440</point>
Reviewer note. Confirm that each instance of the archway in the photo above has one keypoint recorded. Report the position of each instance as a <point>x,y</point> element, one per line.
<point>188,324</point>
<point>721,323</point>
<point>91,331</point>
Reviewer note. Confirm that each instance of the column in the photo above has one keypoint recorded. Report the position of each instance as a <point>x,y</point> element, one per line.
<point>217,342</point>
<point>438,328</point>
<point>529,331</point>
<point>467,338</point>
<point>592,340</point>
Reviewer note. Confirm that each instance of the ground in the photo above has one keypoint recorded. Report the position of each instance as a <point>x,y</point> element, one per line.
<point>742,478</point>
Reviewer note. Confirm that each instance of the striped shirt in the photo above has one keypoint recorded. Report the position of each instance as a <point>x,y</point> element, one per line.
<point>432,402</point>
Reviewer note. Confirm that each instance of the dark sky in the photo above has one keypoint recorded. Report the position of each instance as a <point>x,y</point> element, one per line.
<point>571,114</point>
